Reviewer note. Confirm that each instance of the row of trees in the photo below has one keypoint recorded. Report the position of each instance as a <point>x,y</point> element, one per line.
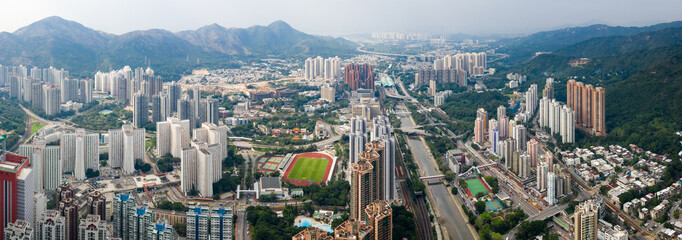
<point>173,206</point>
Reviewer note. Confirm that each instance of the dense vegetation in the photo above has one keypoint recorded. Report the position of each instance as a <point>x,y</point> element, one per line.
<point>165,163</point>
<point>91,173</point>
<point>174,206</point>
<point>617,45</point>
<point>92,119</point>
<point>521,49</point>
<point>491,227</point>
<point>142,166</point>
<point>12,119</point>
<point>529,230</point>
<point>463,106</point>
<point>403,224</point>
<point>229,181</point>
<point>333,193</point>
<point>265,225</point>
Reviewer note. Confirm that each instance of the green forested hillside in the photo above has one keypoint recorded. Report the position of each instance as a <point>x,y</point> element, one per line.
<point>617,45</point>
<point>643,94</point>
<point>646,108</point>
<point>523,48</point>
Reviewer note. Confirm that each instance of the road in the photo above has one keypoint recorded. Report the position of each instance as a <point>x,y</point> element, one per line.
<point>450,216</point>
<point>242,226</point>
<point>359,49</point>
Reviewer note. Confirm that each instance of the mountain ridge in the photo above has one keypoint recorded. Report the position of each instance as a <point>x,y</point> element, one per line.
<point>616,45</point>
<point>54,41</point>
<point>523,48</point>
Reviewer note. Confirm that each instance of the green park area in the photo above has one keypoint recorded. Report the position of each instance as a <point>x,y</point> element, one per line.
<point>36,126</point>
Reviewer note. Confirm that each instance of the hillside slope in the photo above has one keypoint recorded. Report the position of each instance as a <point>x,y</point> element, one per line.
<point>523,48</point>
<point>617,45</point>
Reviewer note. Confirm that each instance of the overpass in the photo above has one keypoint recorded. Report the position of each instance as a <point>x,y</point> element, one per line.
<point>399,97</point>
<point>548,212</point>
<point>478,169</point>
<point>416,129</point>
<point>255,190</point>
<point>240,139</point>
<point>435,179</point>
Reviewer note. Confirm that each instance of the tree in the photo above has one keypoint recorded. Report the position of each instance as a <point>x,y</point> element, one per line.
<point>142,166</point>
<point>480,195</point>
<point>494,185</point>
<point>453,190</point>
<point>344,217</point>
<point>179,207</point>
<point>181,229</point>
<point>334,193</point>
<point>91,173</point>
<point>603,190</point>
<point>309,208</point>
<point>480,206</point>
<point>403,224</point>
<point>551,236</point>
<point>528,230</point>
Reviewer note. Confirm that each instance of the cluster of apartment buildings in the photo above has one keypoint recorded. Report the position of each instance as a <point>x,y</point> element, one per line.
<point>472,63</point>
<point>320,68</point>
<point>201,155</point>
<point>372,165</point>
<point>358,76</point>
<point>136,221</point>
<point>515,79</point>
<point>588,102</point>
<point>50,90</point>
<point>26,215</point>
<point>559,118</point>
<point>426,76</point>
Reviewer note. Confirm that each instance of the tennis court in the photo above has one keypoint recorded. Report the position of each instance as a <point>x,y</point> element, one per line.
<point>493,205</point>
<point>475,186</point>
<point>276,159</point>
<point>269,164</point>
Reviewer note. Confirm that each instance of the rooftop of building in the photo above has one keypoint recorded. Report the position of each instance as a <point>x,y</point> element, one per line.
<point>270,182</point>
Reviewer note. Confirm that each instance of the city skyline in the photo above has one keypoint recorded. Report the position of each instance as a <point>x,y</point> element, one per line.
<point>511,18</point>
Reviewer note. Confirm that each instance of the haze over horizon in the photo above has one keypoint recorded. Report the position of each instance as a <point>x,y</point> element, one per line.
<point>344,17</point>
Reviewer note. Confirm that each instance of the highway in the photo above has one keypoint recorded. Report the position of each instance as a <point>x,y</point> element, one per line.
<point>450,216</point>
<point>359,49</point>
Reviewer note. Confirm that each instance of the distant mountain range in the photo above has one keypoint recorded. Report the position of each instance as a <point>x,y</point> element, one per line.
<point>523,48</point>
<point>57,42</point>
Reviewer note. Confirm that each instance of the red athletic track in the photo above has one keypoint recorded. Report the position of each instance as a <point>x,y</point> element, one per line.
<point>296,182</point>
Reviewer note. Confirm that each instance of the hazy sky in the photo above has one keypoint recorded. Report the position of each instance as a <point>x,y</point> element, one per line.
<point>336,17</point>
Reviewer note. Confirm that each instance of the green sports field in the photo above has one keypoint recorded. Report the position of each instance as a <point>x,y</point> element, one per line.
<point>309,169</point>
<point>475,186</point>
